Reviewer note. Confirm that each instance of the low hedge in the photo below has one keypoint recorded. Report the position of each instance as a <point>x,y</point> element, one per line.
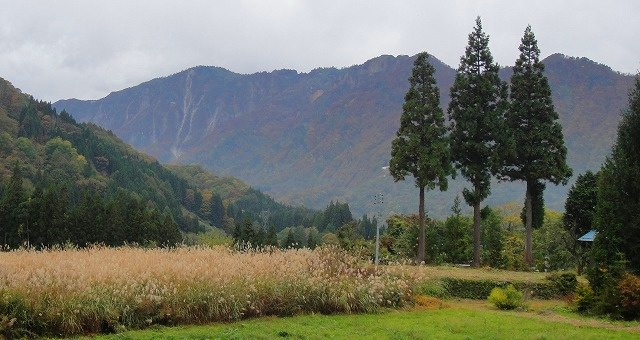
<point>554,286</point>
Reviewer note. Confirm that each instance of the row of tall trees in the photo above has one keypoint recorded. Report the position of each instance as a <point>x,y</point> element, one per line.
<point>493,132</point>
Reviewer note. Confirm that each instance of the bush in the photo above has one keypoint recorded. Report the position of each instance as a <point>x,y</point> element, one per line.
<point>584,299</point>
<point>470,289</point>
<point>629,288</point>
<point>565,283</point>
<point>508,298</point>
<point>434,288</point>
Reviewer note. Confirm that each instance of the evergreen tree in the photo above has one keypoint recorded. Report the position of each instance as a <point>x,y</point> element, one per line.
<point>550,251</point>
<point>300,236</point>
<point>476,112</point>
<point>421,148</point>
<point>197,202</point>
<point>367,228</point>
<point>312,239</point>
<point>260,238</point>
<point>579,210</point>
<point>457,239</point>
<point>86,219</point>
<point>238,235</point>
<point>53,215</point>
<point>348,235</point>
<point>9,209</point>
<point>217,211</point>
<point>290,241</point>
<point>493,238</point>
<point>249,233</point>
<point>337,214</point>
<point>272,237</point>
<point>30,124</point>
<point>615,248</point>
<point>539,153</point>
<point>168,231</point>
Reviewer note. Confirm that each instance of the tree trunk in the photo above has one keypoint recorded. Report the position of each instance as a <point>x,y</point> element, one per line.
<point>580,263</point>
<point>421,240</point>
<point>528,243</point>
<point>476,235</point>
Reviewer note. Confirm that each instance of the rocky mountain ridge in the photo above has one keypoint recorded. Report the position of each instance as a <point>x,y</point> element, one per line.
<point>308,138</point>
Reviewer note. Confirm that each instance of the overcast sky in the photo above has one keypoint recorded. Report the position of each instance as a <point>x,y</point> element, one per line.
<point>87,49</point>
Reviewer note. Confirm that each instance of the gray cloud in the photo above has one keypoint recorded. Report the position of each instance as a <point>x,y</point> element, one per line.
<point>86,49</point>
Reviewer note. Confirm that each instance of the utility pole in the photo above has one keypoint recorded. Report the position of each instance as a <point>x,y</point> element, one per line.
<point>264,215</point>
<point>378,200</point>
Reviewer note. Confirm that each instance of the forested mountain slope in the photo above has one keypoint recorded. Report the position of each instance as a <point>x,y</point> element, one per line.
<point>79,183</point>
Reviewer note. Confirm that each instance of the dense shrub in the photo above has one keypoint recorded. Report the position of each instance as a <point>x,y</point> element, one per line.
<point>508,298</point>
<point>583,299</point>
<point>470,289</point>
<point>629,288</point>
<point>620,300</point>
<point>480,289</point>
<point>434,288</point>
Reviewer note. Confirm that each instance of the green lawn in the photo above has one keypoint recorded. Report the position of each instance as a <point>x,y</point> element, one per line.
<point>462,320</point>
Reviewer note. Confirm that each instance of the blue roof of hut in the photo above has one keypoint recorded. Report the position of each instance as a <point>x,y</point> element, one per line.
<point>588,237</point>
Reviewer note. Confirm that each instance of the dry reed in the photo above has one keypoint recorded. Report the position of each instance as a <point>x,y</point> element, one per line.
<point>99,289</point>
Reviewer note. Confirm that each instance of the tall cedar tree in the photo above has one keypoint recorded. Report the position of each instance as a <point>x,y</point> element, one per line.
<point>615,248</point>
<point>421,147</point>
<point>539,153</point>
<point>476,112</point>
<point>579,210</point>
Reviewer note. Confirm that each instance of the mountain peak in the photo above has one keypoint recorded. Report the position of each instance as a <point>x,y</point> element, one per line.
<point>578,63</point>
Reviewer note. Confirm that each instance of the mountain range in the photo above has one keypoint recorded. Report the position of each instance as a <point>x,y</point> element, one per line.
<point>309,138</point>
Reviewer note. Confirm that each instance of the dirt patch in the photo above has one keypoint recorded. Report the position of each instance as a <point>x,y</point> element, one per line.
<point>424,302</point>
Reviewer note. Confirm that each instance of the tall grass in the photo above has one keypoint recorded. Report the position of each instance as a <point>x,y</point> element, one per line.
<point>82,291</point>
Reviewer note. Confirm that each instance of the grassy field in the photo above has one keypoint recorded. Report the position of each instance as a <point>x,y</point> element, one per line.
<point>456,320</point>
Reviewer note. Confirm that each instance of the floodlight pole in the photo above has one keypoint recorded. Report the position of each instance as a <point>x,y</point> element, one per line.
<point>378,200</point>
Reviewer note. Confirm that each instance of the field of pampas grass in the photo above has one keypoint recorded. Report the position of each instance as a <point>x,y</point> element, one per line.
<point>99,290</point>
